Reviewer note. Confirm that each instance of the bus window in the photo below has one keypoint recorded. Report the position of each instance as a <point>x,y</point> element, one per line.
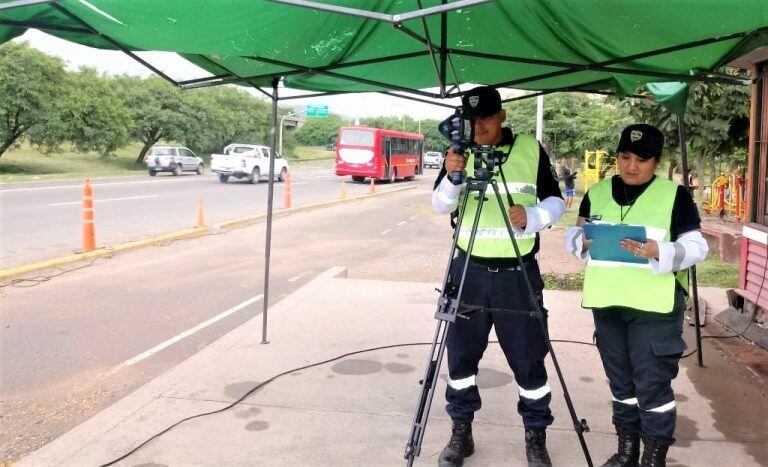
<point>354,137</point>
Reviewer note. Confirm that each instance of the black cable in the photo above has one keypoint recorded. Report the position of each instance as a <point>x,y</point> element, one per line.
<point>752,318</point>
<point>264,383</point>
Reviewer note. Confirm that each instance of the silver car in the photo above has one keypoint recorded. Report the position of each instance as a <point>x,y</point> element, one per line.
<point>433,159</point>
<point>173,159</point>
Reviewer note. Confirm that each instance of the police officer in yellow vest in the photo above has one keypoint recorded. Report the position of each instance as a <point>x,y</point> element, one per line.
<point>638,307</point>
<point>495,280</point>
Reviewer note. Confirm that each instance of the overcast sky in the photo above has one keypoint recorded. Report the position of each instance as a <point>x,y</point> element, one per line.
<point>351,106</point>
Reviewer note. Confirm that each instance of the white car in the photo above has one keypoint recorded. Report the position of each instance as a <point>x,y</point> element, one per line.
<point>433,159</point>
<point>248,161</point>
<point>173,159</point>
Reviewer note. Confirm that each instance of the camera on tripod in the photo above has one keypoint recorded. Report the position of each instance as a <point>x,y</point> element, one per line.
<point>460,131</point>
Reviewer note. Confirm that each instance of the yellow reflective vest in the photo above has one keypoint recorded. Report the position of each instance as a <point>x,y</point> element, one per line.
<point>613,283</point>
<point>521,170</point>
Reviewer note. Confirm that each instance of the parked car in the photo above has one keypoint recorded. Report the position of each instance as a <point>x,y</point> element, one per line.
<point>433,159</point>
<point>174,159</point>
<point>248,161</point>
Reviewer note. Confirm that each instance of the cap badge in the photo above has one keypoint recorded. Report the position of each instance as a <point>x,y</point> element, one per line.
<point>474,100</point>
<point>636,135</point>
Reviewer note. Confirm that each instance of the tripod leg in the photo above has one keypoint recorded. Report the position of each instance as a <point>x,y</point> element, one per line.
<point>579,425</point>
<point>446,314</point>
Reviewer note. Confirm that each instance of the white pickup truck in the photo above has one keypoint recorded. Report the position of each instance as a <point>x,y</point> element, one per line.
<point>247,161</point>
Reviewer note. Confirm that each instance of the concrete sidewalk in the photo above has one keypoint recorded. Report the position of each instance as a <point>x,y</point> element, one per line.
<point>358,410</point>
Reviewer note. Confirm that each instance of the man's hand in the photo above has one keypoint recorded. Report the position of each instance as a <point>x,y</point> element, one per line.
<point>517,216</point>
<point>454,162</point>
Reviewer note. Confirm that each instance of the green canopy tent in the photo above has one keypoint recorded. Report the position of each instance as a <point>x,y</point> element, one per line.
<point>403,47</point>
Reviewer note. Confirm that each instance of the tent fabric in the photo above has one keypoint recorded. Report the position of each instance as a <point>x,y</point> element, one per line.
<point>534,44</point>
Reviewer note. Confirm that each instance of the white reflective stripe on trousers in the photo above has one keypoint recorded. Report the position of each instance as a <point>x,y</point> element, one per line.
<point>462,383</point>
<point>534,394</point>
<point>664,408</point>
<point>630,401</point>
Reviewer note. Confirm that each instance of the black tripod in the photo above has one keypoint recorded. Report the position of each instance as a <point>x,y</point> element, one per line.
<point>448,307</point>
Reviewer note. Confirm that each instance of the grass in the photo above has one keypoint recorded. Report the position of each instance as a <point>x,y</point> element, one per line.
<point>25,164</point>
<point>715,273</point>
<point>306,153</point>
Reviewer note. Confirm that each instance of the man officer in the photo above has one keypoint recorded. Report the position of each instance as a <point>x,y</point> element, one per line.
<point>494,277</point>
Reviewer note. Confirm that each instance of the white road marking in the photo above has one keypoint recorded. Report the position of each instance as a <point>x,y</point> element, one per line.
<point>189,332</point>
<point>295,278</point>
<point>386,231</point>
<point>104,200</point>
<point>401,223</point>
<point>96,185</point>
<point>413,217</point>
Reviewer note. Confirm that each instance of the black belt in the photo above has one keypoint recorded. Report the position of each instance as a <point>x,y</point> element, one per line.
<point>500,264</point>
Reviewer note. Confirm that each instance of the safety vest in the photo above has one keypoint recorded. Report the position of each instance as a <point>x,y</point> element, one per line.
<point>492,238</point>
<point>614,283</point>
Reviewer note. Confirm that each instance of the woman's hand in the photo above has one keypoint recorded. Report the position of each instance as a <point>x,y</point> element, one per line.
<point>647,250</point>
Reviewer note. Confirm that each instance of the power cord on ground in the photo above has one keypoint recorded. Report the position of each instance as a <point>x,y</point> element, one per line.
<point>264,383</point>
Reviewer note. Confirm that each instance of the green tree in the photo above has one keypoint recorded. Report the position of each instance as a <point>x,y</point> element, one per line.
<point>156,108</point>
<point>717,124</point>
<point>216,117</point>
<point>87,113</point>
<point>28,90</point>
<point>319,131</point>
<point>573,122</point>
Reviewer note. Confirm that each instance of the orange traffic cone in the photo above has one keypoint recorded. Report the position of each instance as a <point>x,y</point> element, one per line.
<point>343,191</point>
<point>373,188</point>
<point>287,191</point>
<point>201,213</point>
<point>89,235</point>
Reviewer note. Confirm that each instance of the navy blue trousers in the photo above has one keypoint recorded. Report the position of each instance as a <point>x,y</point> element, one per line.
<point>520,336</point>
<point>640,353</point>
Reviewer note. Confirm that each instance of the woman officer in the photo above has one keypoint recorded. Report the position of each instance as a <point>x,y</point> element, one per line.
<point>638,308</point>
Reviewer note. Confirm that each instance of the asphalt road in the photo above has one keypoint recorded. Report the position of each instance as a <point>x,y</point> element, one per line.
<point>74,344</point>
<point>43,220</point>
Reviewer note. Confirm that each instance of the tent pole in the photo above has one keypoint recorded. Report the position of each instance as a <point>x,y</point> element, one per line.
<point>694,287</point>
<point>443,50</point>
<point>270,198</point>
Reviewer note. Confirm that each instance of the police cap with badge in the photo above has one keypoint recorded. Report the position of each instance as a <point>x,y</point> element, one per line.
<point>482,101</point>
<point>643,140</point>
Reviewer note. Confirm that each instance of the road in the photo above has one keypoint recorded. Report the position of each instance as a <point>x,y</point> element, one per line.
<point>39,221</point>
<point>75,344</point>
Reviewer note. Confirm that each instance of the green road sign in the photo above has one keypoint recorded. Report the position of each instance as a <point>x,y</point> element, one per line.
<point>317,111</point>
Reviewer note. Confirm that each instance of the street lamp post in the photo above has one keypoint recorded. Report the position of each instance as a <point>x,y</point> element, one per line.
<point>280,145</point>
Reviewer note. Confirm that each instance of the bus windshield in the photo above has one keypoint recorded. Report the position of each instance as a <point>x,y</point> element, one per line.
<point>356,138</point>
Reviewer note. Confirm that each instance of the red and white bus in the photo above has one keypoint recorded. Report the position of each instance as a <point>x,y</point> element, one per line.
<point>365,152</point>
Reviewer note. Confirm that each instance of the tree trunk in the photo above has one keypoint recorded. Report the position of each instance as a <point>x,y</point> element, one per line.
<point>9,142</point>
<point>672,167</point>
<point>147,144</point>
<point>700,178</point>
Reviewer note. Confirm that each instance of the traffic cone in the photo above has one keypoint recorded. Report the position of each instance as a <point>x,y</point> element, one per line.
<point>201,213</point>
<point>373,188</point>
<point>343,191</point>
<point>89,235</point>
<point>287,191</point>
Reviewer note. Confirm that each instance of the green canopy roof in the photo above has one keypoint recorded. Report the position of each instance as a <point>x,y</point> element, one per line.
<point>526,44</point>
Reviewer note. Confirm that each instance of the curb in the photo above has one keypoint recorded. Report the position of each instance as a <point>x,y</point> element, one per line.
<point>183,234</point>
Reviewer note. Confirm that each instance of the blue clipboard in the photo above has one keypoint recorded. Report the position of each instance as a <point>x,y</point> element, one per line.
<point>606,239</point>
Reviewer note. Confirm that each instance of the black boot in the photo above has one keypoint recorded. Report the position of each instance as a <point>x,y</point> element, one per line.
<point>654,454</point>
<point>628,453</point>
<point>536,447</point>
<point>459,447</point>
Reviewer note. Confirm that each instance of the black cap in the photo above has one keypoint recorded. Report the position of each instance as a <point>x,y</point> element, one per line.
<point>482,101</point>
<point>642,139</point>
